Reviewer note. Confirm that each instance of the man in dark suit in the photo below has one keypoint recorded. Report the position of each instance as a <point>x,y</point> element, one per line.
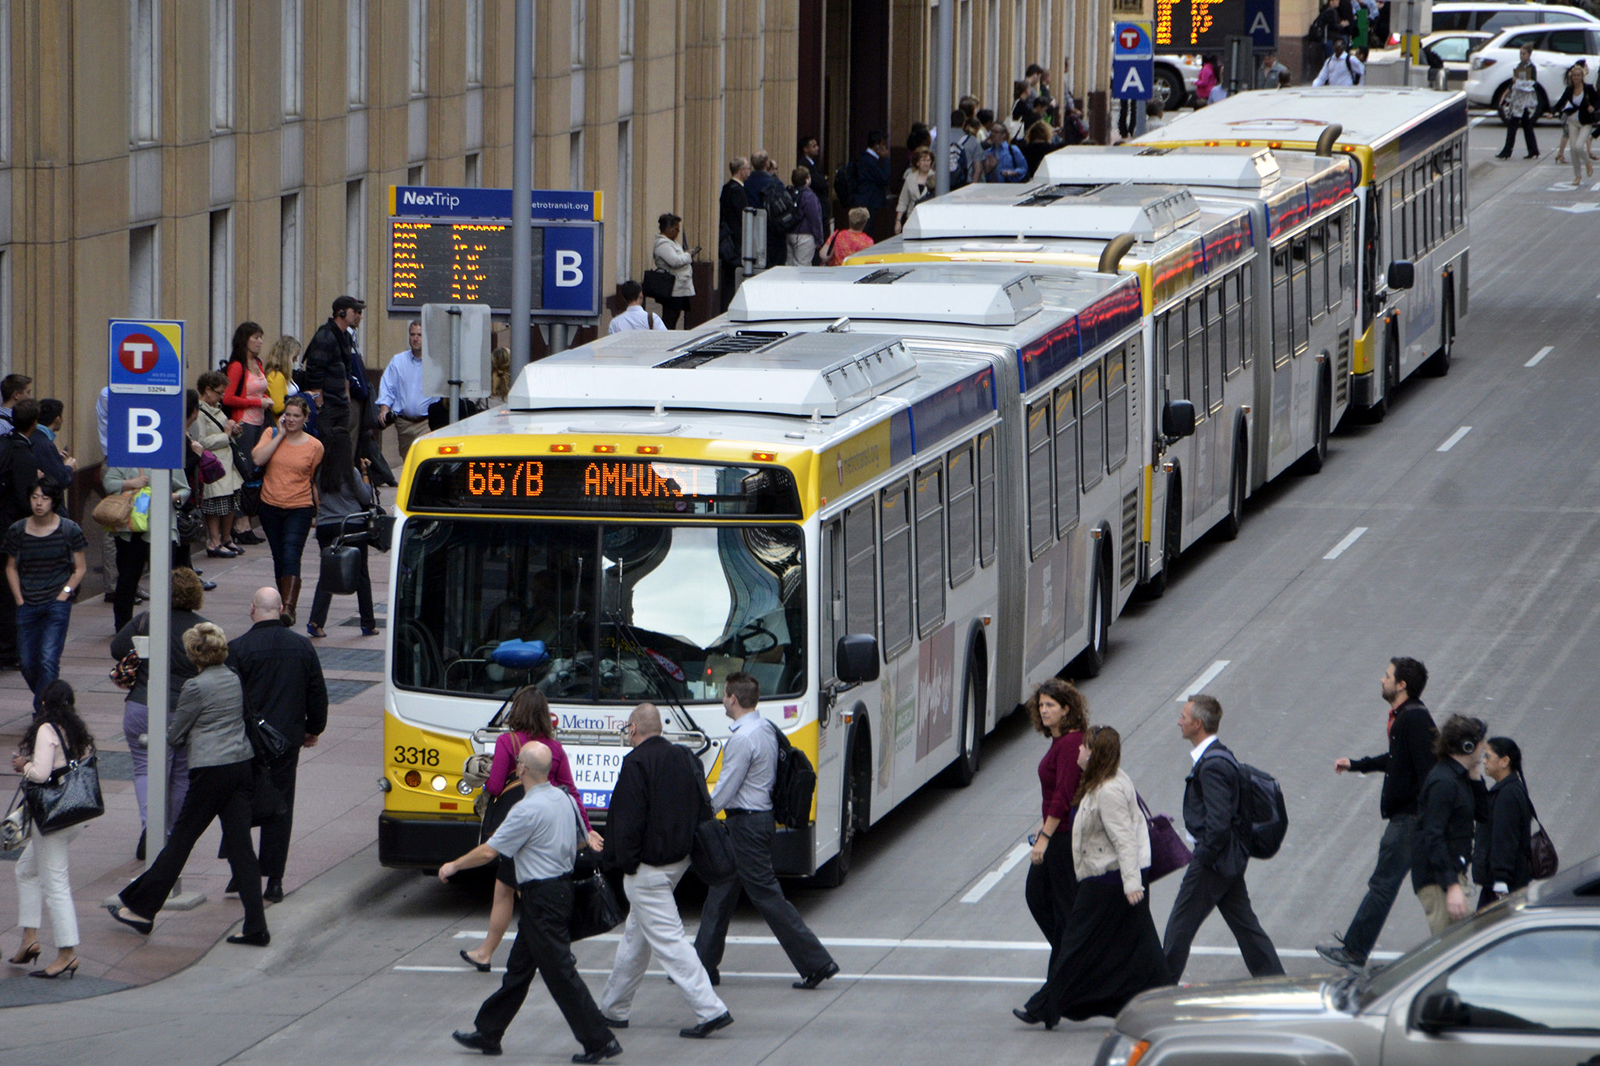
<point>730,228</point>
<point>1404,767</point>
<point>283,683</point>
<point>1215,877</point>
<point>872,174</point>
<point>811,159</point>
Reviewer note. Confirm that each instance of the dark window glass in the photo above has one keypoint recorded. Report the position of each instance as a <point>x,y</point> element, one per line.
<point>1066,446</point>
<point>1195,392</point>
<point>987,504</point>
<point>1245,336</point>
<point>861,570</point>
<point>1567,42</point>
<point>1040,518</point>
<point>1093,425</point>
<point>1282,320</point>
<point>1116,407</point>
<point>1541,981</point>
<point>1317,239</point>
<point>1300,292</point>
<point>1216,344</point>
<point>930,549</point>
<point>963,514</point>
<point>897,576</point>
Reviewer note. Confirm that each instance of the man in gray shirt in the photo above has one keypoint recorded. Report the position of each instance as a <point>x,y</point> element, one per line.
<point>744,790</point>
<point>542,834</point>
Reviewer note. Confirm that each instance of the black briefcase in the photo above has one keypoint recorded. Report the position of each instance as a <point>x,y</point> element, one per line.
<point>342,560</point>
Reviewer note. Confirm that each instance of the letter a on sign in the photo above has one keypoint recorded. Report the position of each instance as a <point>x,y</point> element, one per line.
<point>1132,87</point>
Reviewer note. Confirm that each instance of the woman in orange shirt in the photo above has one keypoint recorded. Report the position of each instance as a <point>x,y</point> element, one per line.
<point>289,458</point>
<point>843,245</point>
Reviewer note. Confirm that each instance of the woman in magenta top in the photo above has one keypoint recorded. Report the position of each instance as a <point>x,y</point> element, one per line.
<point>1060,712</point>
<point>528,720</point>
<point>247,399</point>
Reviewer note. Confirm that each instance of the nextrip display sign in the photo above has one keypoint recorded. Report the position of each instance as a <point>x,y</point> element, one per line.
<point>144,424</point>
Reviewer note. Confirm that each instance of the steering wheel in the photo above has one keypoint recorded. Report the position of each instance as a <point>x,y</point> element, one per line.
<point>753,631</point>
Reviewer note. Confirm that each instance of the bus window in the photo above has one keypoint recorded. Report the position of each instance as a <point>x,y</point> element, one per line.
<point>962,515</point>
<point>1093,426</point>
<point>897,576</point>
<point>1300,293</point>
<point>1216,342</point>
<point>1371,262</point>
<point>1195,391</point>
<point>833,589</point>
<point>1117,407</point>
<point>930,549</point>
<point>1177,383</point>
<point>860,570</point>
<point>1319,272</point>
<point>987,504</point>
<point>1040,532</point>
<point>1397,200</point>
<point>1336,259</point>
<point>1242,328</point>
<point>1066,448</point>
<point>1282,324</point>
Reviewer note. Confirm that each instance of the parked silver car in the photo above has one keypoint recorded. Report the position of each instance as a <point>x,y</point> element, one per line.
<point>1517,984</point>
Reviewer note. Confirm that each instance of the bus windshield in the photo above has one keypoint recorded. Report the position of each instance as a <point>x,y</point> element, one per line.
<point>598,612</point>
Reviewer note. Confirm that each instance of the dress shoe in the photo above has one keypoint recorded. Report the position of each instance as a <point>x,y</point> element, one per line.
<point>31,951</point>
<point>274,890</point>
<point>254,940</point>
<point>70,970</point>
<point>614,1023</point>
<point>208,586</point>
<point>369,631</point>
<point>705,1029</point>
<point>137,924</point>
<point>316,630</point>
<point>481,967</point>
<point>599,1054</point>
<point>1340,956</point>
<point>477,1042</point>
<point>816,979</point>
<point>1027,1017</point>
<point>246,536</point>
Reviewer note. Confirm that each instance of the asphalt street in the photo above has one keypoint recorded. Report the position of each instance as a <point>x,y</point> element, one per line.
<point>1479,553</point>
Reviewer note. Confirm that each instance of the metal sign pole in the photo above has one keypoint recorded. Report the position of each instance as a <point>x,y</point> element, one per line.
<point>455,362</point>
<point>943,45</point>
<point>160,659</point>
<point>521,189</point>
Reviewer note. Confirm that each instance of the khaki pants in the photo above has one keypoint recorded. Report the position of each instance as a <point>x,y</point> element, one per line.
<point>410,430</point>
<point>1432,898</point>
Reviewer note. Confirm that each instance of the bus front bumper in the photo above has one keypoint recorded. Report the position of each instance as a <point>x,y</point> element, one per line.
<point>426,841</point>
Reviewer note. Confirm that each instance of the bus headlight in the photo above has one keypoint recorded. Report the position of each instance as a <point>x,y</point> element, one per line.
<point>464,787</point>
<point>438,782</point>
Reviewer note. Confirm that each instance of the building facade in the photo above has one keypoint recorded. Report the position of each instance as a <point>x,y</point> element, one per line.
<point>218,161</point>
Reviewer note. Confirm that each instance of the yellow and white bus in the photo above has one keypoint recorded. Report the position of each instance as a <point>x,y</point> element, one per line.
<point>1411,144</point>
<point>854,517</point>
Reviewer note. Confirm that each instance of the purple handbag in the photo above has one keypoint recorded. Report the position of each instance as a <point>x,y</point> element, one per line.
<point>211,469</point>
<point>1168,852</point>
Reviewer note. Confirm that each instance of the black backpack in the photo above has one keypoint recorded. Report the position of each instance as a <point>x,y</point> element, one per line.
<point>783,208</point>
<point>793,784</point>
<point>1263,818</point>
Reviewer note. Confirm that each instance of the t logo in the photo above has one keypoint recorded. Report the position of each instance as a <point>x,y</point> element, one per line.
<point>137,353</point>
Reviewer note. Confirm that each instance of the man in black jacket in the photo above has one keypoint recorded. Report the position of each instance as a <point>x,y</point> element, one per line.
<point>872,174</point>
<point>327,364</point>
<point>730,228</point>
<point>282,680</point>
<point>1215,877</point>
<point>655,807</point>
<point>1452,800</point>
<point>1404,766</point>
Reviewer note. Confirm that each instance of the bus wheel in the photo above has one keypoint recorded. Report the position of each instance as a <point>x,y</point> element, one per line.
<point>1233,521</point>
<point>1438,364</point>
<point>970,738</point>
<point>1090,661</point>
<point>852,809</point>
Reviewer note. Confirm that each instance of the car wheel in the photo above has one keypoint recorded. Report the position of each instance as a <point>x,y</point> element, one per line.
<point>1168,89</point>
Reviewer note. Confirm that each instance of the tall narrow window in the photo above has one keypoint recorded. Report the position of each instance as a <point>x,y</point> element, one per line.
<point>5,311</point>
<point>963,37</point>
<point>144,62</point>
<point>474,43</point>
<point>625,29</point>
<point>1019,39</point>
<point>355,239</point>
<point>930,549</point>
<point>1117,405</point>
<point>1041,532</point>
<point>1067,458</point>
<point>895,508</point>
<point>221,65</point>
<point>474,171</point>
<point>355,52</point>
<point>417,23</point>
<point>142,276</point>
<point>580,32</point>
<point>987,504</point>
<point>415,175</point>
<point>289,265</point>
<point>221,276</point>
<point>292,54</point>
<point>624,201</point>
<point>1042,39</point>
<point>5,81</point>
<point>575,160</point>
<point>861,570</point>
<point>963,510</point>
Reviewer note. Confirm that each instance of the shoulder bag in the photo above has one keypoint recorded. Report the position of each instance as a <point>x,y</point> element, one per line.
<point>342,560</point>
<point>1542,859</point>
<point>112,512</point>
<point>711,854</point>
<point>266,740</point>
<point>71,796</point>
<point>14,827</point>
<point>595,909</point>
<point>658,283</point>
<point>1168,852</point>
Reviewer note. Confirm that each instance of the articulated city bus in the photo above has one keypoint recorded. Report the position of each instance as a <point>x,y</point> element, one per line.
<point>866,522</point>
<point>1411,288</point>
<point>1204,269</point>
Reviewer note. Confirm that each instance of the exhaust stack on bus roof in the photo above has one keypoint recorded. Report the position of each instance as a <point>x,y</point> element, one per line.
<point>1050,209</point>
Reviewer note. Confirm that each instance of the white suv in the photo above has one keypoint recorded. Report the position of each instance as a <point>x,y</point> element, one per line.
<point>1469,16</point>
<point>1556,46</point>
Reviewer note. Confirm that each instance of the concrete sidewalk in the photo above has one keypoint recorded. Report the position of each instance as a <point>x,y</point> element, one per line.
<point>336,808</point>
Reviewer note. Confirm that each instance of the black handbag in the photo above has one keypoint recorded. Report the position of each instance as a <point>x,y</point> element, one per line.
<point>595,909</point>
<point>657,284</point>
<point>711,852</point>
<point>269,743</point>
<point>70,797</point>
<point>342,561</point>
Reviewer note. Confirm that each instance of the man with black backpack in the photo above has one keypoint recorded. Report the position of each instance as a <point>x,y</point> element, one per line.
<point>1212,813</point>
<point>756,771</point>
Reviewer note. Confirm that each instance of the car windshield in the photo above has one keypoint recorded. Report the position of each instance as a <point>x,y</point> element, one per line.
<point>598,612</point>
<point>1382,980</point>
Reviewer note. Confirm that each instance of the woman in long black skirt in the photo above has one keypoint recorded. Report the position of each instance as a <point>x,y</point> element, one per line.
<point>1109,950</point>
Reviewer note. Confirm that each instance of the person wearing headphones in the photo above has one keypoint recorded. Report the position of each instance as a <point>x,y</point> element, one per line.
<point>1453,798</point>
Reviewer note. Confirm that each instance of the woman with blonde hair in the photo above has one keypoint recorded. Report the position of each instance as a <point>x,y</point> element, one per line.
<point>280,363</point>
<point>210,720</point>
<point>1059,711</point>
<point>499,378</point>
<point>1109,950</point>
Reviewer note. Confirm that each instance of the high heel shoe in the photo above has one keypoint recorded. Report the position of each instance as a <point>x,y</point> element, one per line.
<point>137,924</point>
<point>69,970</point>
<point>26,954</point>
<point>315,630</point>
<point>1030,1018</point>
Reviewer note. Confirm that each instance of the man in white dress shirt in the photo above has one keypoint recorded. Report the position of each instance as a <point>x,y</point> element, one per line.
<point>400,393</point>
<point>634,316</point>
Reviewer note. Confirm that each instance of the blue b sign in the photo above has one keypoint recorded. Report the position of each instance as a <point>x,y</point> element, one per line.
<point>572,270</point>
<point>144,424</point>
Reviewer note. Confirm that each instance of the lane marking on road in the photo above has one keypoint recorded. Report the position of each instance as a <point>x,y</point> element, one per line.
<point>1199,683</point>
<point>1539,356</point>
<point>995,876</point>
<point>1344,545</point>
<point>1453,439</point>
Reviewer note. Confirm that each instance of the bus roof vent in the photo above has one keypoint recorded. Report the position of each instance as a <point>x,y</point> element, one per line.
<point>798,374</point>
<point>1227,168</point>
<point>715,345</point>
<point>969,294</point>
<point>1054,209</point>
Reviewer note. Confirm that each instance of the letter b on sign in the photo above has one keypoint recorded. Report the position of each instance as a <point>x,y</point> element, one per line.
<point>144,431</point>
<point>569,269</point>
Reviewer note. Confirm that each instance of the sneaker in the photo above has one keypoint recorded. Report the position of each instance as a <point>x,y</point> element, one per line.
<point>1339,956</point>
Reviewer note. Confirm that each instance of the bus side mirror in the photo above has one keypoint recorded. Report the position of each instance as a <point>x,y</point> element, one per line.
<point>1177,419</point>
<point>1402,274</point>
<point>856,658</point>
<point>1440,1011</point>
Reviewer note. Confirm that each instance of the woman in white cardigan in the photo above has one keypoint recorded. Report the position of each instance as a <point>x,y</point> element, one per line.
<point>1110,951</point>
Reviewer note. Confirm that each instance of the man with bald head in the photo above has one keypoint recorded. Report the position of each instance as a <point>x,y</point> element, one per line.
<point>542,834</point>
<point>283,684</point>
<point>655,807</point>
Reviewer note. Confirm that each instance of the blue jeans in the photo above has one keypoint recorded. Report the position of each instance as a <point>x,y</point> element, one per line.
<point>1394,862</point>
<point>286,529</point>
<point>41,633</point>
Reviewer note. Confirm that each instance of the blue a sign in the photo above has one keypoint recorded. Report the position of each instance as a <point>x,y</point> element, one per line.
<point>1261,22</point>
<point>555,205</point>
<point>1132,79</point>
